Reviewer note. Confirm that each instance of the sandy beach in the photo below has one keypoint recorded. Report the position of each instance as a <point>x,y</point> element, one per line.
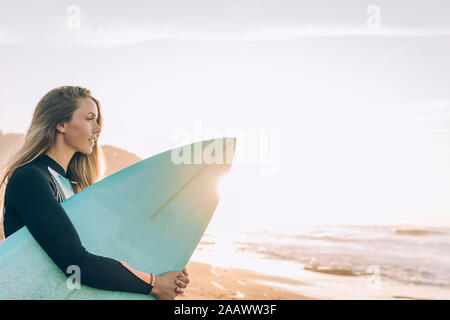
<point>210,282</point>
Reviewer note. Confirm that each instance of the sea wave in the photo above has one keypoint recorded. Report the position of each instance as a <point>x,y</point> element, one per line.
<point>394,272</point>
<point>207,242</point>
<point>324,238</point>
<point>416,232</point>
<point>330,270</point>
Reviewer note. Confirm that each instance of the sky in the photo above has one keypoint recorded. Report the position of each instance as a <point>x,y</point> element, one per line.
<point>341,109</point>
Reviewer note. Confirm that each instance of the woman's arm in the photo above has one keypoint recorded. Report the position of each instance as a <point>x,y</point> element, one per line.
<point>30,194</point>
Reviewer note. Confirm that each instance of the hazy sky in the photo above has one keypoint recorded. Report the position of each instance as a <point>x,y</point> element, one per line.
<point>358,92</point>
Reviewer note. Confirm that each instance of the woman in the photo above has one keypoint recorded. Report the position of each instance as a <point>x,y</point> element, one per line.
<point>61,157</point>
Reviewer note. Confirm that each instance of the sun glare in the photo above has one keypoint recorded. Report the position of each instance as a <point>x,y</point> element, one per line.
<point>221,185</point>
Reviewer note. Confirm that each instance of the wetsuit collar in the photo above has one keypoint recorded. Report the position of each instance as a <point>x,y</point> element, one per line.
<point>53,164</point>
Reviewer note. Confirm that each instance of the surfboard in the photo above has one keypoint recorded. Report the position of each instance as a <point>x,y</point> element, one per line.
<point>151,214</point>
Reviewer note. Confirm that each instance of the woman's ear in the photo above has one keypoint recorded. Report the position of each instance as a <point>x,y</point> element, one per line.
<point>61,127</point>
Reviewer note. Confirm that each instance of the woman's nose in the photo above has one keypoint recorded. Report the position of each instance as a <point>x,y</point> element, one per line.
<point>97,129</point>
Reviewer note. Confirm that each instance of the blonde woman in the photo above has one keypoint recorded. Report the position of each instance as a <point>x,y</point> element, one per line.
<point>59,158</point>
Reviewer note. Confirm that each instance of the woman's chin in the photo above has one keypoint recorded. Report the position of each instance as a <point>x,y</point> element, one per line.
<point>87,150</point>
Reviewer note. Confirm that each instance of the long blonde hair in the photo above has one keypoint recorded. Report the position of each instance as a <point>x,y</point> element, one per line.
<point>55,107</point>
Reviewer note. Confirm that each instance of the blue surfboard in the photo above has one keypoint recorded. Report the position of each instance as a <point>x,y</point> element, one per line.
<point>151,215</point>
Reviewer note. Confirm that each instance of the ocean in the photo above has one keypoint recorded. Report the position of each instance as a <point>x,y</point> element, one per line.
<point>409,257</point>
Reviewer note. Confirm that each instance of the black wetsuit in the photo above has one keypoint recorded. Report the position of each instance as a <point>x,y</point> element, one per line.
<point>32,199</point>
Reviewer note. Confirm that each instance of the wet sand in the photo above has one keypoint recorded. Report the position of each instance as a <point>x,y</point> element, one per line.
<point>208,282</point>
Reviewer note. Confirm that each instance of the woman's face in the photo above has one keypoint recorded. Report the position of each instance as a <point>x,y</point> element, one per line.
<point>82,131</point>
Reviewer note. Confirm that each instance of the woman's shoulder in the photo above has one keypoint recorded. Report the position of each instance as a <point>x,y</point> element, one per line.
<point>27,182</point>
<point>28,173</point>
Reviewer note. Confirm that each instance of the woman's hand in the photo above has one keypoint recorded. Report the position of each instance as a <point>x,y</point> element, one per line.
<point>170,284</point>
<point>182,281</point>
